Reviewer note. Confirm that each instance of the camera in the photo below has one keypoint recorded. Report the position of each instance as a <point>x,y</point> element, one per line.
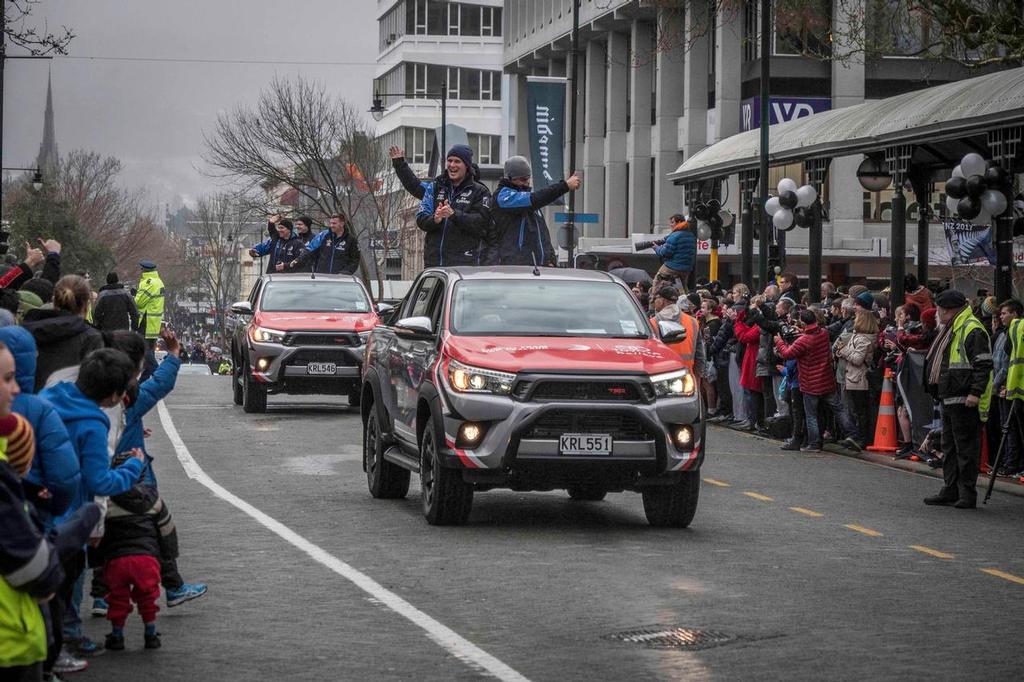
<point>642,246</point>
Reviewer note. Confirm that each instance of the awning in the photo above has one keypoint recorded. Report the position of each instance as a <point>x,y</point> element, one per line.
<point>945,112</point>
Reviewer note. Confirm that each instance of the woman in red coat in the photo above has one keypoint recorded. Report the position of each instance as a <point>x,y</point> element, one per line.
<point>750,337</point>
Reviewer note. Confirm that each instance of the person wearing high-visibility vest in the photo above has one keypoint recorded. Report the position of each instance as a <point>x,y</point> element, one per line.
<point>690,349</point>
<point>1008,384</point>
<point>150,302</point>
<point>958,370</point>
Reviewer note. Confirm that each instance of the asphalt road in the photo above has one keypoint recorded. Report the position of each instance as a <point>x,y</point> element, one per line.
<point>807,567</point>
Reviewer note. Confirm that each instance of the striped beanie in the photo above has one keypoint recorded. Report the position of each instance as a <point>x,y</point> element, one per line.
<point>18,442</point>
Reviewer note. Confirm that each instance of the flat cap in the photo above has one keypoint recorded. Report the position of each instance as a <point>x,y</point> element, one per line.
<point>950,299</point>
<point>147,265</point>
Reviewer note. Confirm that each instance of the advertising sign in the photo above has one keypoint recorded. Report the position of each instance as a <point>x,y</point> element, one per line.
<point>545,114</point>
<point>782,109</point>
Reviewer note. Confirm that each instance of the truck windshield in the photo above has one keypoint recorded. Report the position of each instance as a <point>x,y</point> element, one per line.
<point>315,296</point>
<point>502,307</point>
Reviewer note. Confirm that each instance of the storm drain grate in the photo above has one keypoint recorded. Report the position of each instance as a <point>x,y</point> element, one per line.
<point>686,639</point>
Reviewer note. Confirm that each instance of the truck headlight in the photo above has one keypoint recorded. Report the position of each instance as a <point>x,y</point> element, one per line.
<point>364,337</point>
<point>466,379</point>
<point>674,384</point>
<point>264,335</point>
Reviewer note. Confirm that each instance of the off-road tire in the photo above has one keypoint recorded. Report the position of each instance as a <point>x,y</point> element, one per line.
<point>447,500</point>
<point>386,481</point>
<point>254,395</point>
<point>236,381</point>
<point>673,506</point>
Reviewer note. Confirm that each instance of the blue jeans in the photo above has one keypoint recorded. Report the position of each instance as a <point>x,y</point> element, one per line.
<point>72,614</point>
<point>842,416</point>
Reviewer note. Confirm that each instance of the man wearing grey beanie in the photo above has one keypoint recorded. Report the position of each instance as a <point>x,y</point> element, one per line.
<point>521,233</point>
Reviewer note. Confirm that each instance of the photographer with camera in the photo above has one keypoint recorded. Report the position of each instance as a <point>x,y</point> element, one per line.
<point>677,251</point>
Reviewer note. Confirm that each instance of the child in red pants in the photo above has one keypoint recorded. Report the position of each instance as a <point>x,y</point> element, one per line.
<point>139,530</point>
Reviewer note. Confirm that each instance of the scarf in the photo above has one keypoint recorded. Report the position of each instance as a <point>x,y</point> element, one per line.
<point>935,353</point>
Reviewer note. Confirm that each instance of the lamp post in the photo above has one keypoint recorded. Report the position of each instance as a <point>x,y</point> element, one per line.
<point>378,109</point>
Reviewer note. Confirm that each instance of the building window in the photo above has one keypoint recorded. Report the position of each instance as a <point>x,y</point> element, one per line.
<point>487,148</point>
<point>453,82</point>
<point>454,12</point>
<point>425,80</point>
<point>490,21</point>
<point>898,29</point>
<point>418,144</point>
<point>805,32</point>
<point>392,26</point>
<point>470,20</point>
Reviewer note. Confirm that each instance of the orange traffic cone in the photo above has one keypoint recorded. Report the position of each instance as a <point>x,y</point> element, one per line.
<point>885,427</point>
<point>983,468</point>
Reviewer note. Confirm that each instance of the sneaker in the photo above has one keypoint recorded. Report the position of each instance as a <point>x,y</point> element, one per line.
<point>99,607</point>
<point>851,444</point>
<point>67,663</point>
<point>153,641</point>
<point>810,448</point>
<point>791,445</point>
<point>114,642</point>
<point>186,592</point>
<point>83,646</point>
<point>51,677</point>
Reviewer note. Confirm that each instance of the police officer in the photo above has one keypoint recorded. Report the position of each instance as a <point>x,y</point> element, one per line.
<point>455,212</point>
<point>336,250</point>
<point>959,373</point>
<point>150,301</point>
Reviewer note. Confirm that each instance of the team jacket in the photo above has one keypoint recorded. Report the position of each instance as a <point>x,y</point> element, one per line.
<point>279,250</point>
<point>333,254</point>
<point>520,231</point>
<point>462,238</point>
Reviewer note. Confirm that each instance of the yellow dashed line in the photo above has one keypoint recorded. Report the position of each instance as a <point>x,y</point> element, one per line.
<point>759,496</point>
<point>720,484</point>
<point>1005,576</point>
<point>862,529</point>
<point>932,552</point>
<point>806,512</point>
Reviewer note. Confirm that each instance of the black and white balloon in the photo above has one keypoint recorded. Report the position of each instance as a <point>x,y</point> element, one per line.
<point>975,192</point>
<point>791,207</point>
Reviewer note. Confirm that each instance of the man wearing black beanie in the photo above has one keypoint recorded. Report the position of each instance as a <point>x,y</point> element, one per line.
<point>456,214</point>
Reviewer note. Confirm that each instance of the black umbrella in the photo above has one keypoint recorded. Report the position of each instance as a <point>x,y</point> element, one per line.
<point>631,275</point>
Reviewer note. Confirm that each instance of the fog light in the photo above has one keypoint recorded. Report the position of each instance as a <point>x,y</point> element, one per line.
<point>683,436</point>
<point>470,434</point>
<point>262,364</point>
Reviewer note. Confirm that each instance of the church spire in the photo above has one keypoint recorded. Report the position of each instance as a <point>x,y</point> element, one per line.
<point>48,158</point>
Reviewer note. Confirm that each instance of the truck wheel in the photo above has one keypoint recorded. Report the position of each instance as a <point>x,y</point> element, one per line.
<point>386,481</point>
<point>586,493</point>
<point>446,498</point>
<point>254,395</point>
<point>236,381</point>
<point>673,506</point>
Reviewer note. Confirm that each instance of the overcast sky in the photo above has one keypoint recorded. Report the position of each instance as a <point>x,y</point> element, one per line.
<point>152,114</point>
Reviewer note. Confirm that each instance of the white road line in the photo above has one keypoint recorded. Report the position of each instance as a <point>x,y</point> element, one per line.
<point>444,636</point>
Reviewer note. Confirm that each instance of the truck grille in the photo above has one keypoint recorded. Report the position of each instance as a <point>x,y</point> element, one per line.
<point>321,339</point>
<point>619,426</point>
<point>615,391</point>
<point>307,355</point>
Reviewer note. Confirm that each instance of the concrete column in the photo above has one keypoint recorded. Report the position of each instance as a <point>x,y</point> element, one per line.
<point>522,141</point>
<point>728,74</point>
<point>669,77</point>
<point>693,128</point>
<point>638,141</point>
<point>616,161</point>
<point>846,205</point>
<point>594,125</point>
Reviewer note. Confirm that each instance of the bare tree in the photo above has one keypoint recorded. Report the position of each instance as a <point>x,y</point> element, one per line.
<point>973,33</point>
<point>301,137</point>
<point>212,250</point>
<point>18,29</point>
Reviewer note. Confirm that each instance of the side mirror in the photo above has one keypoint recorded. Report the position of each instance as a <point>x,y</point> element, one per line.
<point>241,308</point>
<point>414,326</point>
<point>384,308</point>
<point>671,332</point>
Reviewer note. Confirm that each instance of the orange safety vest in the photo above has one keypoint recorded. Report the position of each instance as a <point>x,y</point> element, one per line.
<point>687,348</point>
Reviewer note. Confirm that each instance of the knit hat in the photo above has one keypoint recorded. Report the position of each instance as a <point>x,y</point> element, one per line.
<point>29,301</point>
<point>865,300</point>
<point>989,307</point>
<point>950,299</point>
<point>18,442</point>
<point>462,152</point>
<point>517,167</point>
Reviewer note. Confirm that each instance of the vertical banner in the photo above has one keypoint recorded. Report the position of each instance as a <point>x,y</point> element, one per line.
<point>969,244</point>
<point>545,116</point>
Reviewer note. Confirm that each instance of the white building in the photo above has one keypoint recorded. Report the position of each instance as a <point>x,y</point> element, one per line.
<point>425,44</point>
<point>659,84</point>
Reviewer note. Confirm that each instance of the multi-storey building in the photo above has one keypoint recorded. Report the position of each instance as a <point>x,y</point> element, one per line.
<point>423,45</point>
<point>660,80</point>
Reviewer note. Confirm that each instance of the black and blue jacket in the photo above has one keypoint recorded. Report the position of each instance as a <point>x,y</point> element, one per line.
<point>463,238</point>
<point>280,250</point>
<point>520,231</point>
<point>333,254</point>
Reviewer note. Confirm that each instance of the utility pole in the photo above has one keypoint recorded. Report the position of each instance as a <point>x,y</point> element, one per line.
<point>570,226</point>
<point>764,243</point>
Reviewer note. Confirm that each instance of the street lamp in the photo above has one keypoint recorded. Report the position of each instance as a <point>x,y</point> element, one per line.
<point>377,110</point>
<point>37,176</point>
<point>873,174</point>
